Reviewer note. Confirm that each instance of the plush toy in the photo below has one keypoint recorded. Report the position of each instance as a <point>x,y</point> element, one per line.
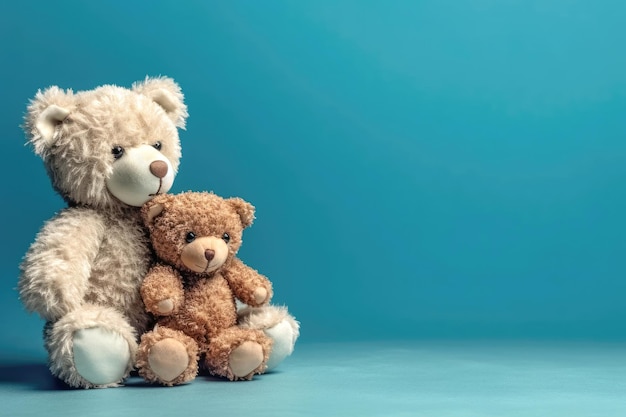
<point>193,287</point>
<point>107,151</point>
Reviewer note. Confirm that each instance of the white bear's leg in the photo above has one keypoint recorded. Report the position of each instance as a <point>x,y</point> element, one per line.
<point>277,324</point>
<point>92,347</point>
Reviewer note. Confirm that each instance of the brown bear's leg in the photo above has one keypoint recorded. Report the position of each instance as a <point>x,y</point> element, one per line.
<point>167,356</point>
<point>277,324</point>
<point>238,353</point>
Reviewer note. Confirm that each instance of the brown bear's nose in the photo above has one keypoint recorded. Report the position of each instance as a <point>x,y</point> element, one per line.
<point>209,254</point>
<point>158,169</point>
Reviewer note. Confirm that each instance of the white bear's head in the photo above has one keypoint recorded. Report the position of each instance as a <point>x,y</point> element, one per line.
<point>110,146</point>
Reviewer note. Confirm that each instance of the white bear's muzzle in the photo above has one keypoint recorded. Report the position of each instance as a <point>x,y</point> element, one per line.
<point>140,174</point>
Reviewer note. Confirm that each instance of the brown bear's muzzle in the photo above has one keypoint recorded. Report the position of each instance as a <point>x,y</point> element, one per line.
<point>204,254</point>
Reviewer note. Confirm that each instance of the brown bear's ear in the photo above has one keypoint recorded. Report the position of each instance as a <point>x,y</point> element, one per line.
<point>244,209</point>
<point>167,94</point>
<point>45,112</point>
<point>154,208</point>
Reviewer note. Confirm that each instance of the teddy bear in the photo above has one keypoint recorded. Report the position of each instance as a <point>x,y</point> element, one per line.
<point>107,151</point>
<point>193,288</point>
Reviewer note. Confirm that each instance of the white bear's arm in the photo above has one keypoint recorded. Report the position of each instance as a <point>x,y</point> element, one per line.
<point>57,266</point>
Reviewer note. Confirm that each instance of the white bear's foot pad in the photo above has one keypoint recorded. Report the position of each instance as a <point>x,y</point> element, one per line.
<point>101,356</point>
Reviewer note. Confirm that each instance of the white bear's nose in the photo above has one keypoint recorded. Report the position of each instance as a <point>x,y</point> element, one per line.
<point>158,169</point>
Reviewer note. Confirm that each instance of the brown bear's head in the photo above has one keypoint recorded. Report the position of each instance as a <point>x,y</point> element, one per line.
<point>196,231</point>
<point>111,146</point>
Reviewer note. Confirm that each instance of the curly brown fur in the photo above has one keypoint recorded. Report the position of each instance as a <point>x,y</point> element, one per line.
<point>197,235</point>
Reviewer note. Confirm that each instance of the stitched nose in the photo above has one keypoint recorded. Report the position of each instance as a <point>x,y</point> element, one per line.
<point>209,254</point>
<point>158,169</point>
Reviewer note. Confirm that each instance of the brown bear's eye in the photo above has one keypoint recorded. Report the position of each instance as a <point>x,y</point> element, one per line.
<point>226,237</point>
<point>117,152</point>
<point>191,236</point>
<point>157,146</point>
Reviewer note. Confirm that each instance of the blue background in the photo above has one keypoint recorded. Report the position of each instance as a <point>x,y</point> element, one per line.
<point>439,188</point>
<point>421,169</point>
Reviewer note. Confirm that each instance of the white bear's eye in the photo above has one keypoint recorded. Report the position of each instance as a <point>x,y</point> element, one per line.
<point>117,152</point>
<point>157,146</point>
<point>191,236</point>
<point>226,237</point>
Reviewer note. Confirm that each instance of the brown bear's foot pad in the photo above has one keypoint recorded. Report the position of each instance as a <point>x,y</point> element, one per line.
<point>167,356</point>
<point>245,359</point>
<point>168,359</point>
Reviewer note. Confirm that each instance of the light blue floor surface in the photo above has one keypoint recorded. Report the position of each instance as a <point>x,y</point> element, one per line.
<point>465,379</point>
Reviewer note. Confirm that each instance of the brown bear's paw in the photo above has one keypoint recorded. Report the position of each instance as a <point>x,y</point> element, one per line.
<point>245,359</point>
<point>260,295</point>
<point>165,307</point>
<point>167,357</point>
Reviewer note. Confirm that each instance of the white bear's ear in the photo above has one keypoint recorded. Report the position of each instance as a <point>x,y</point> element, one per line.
<point>46,111</point>
<point>167,94</point>
<point>49,119</point>
<point>244,209</point>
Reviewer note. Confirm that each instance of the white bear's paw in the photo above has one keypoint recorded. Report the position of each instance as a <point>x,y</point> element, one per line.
<point>102,357</point>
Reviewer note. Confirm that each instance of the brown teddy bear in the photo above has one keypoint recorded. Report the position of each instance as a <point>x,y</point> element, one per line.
<point>107,151</point>
<point>193,289</point>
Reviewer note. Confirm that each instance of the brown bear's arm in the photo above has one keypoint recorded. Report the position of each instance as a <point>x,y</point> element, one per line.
<point>162,290</point>
<point>247,284</point>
